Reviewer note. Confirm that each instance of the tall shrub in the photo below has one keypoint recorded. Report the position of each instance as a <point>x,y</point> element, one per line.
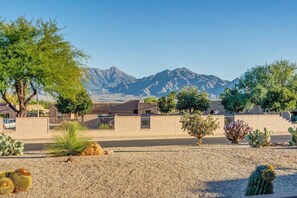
<point>236,130</point>
<point>198,126</point>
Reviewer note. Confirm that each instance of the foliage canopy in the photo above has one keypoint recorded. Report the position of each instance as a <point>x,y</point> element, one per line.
<point>190,100</point>
<point>80,105</point>
<point>34,56</point>
<point>166,104</point>
<point>198,126</point>
<point>272,86</point>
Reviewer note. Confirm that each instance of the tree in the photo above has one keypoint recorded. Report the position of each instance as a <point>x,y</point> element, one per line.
<point>189,99</point>
<point>278,100</point>
<point>166,104</point>
<point>80,106</point>
<point>271,86</point>
<point>34,56</point>
<point>150,99</point>
<point>198,126</point>
<point>234,101</point>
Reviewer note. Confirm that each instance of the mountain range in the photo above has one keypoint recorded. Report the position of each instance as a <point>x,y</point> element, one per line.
<point>114,81</point>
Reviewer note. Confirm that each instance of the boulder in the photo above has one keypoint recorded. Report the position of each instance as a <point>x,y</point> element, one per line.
<point>93,149</point>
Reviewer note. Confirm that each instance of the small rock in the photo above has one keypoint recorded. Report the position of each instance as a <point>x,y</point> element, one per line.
<point>69,159</point>
<point>108,152</point>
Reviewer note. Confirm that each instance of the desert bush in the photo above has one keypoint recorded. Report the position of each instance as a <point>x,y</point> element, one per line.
<point>198,126</point>
<point>64,125</point>
<point>104,126</point>
<point>258,138</point>
<point>260,181</point>
<point>236,130</point>
<point>70,141</point>
<point>294,136</point>
<point>9,146</point>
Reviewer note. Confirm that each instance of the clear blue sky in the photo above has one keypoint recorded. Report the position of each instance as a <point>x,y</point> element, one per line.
<point>142,37</point>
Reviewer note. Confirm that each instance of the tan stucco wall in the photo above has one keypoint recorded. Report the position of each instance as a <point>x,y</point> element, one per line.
<point>160,125</point>
<point>127,124</point>
<point>274,123</point>
<point>31,128</point>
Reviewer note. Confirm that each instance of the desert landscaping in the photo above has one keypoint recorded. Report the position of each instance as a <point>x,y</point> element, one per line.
<point>161,171</point>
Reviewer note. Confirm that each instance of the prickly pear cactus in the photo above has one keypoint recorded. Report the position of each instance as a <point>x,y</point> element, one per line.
<point>258,138</point>
<point>8,146</point>
<point>294,136</point>
<point>260,181</point>
<point>22,180</point>
<point>6,186</point>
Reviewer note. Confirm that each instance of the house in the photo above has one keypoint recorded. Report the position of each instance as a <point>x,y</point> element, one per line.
<point>132,107</point>
<point>6,111</point>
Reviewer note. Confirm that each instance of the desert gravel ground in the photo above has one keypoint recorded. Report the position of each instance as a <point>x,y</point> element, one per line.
<point>162,171</point>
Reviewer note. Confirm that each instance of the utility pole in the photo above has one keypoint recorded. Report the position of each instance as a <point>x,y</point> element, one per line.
<point>37,104</point>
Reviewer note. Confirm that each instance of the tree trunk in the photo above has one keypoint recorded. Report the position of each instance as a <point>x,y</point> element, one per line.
<point>199,141</point>
<point>82,118</point>
<point>21,88</point>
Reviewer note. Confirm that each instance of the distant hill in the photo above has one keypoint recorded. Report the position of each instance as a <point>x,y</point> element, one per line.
<point>114,81</point>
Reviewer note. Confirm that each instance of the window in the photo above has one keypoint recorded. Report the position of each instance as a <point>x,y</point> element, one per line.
<point>145,122</point>
<point>135,112</point>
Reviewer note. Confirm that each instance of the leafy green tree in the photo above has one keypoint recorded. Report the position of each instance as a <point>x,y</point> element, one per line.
<point>150,99</point>
<point>279,100</point>
<point>34,56</point>
<point>166,104</point>
<point>189,99</point>
<point>198,126</point>
<point>80,105</point>
<point>271,86</point>
<point>234,101</point>
<point>83,105</point>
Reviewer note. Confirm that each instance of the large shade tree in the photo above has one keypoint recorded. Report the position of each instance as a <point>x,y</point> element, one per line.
<point>35,56</point>
<point>272,86</point>
<point>166,104</point>
<point>234,101</point>
<point>190,99</point>
<point>80,105</point>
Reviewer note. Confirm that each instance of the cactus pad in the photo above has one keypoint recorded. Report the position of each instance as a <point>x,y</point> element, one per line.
<point>6,186</point>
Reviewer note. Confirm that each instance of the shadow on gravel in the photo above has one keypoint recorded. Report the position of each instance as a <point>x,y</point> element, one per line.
<point>236,188</point>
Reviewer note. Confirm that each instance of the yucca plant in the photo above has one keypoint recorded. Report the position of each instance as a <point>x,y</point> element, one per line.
<point>69,141</point>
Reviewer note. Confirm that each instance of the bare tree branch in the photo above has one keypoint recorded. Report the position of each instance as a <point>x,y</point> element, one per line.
<point>32,95</point>
<point>4,97</point>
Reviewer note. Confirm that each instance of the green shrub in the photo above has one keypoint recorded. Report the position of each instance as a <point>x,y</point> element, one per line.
<point>258,138</point>
<point>294,136</point>
<point>198,126</point>
<point>64,125</point>
<point>236,130</point>
<point>8,146</point>
<point>104,126</point>
<point>70,141</point>
<point>260,181</point>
